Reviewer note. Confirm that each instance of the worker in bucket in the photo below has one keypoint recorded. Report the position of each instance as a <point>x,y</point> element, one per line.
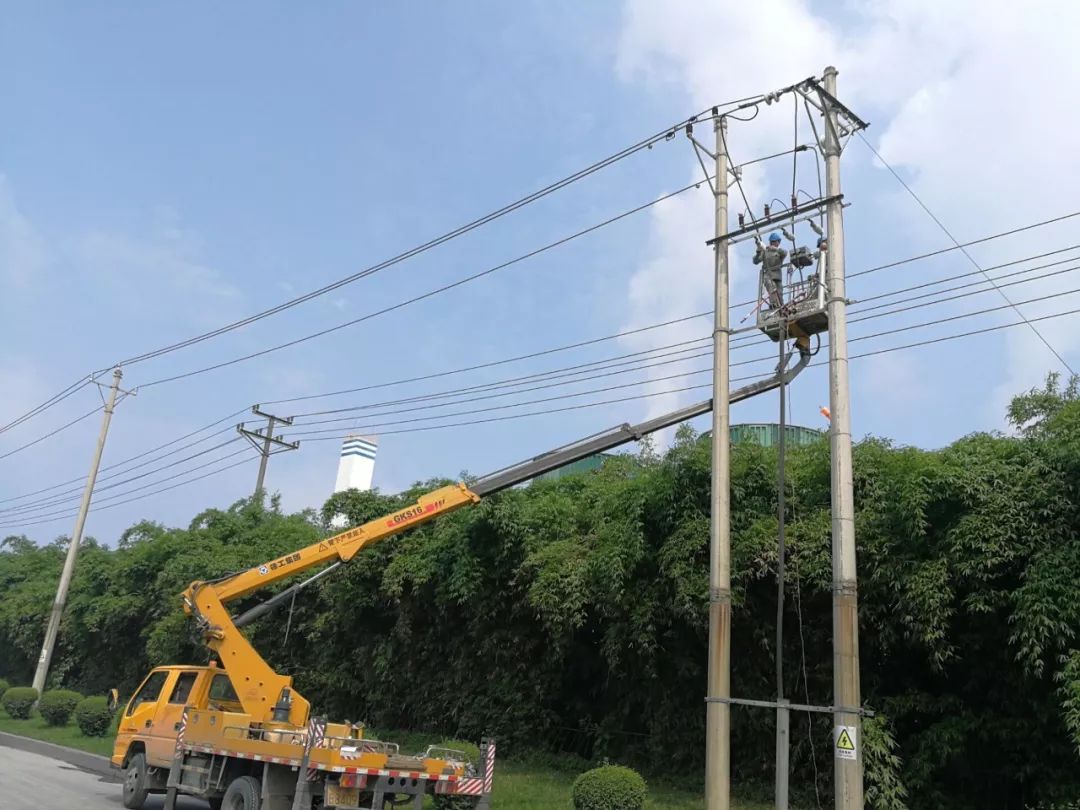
<point>772,260</point>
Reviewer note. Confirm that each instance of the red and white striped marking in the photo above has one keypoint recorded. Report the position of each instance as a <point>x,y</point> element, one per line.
<point>221,752</point>
<point>489,767</point>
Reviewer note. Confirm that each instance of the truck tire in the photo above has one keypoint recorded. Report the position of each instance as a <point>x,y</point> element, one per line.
<point>243,793</point>
<point>136,782</point>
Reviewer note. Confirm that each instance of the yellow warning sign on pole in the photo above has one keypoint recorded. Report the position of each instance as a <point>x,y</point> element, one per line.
<point>845,742</point>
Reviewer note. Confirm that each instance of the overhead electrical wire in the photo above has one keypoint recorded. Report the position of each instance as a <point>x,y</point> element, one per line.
<point>685,350</point>
<point>882,333</point>
<point>870,353</point>
<point>607,363</point>
<point>931,341</point>
<point>97,507</point>
<point>423,296</point>
<point>967,255</point>
<point>52,433</point>
<point>50,402</point>
<point>628,332</point>
<point>52,500</point>
<point>647,143</point>
<point>564,372</point>
<point>126,461</point>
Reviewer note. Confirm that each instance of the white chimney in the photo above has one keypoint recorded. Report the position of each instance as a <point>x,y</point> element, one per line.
<point>356,467</point>
<point>357,464</point>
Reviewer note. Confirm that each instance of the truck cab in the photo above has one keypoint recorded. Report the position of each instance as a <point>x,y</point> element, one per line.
<point>146,736</point>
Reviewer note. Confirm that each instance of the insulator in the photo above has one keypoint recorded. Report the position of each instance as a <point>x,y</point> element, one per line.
<point>766,212</point>
<point>742,221</point>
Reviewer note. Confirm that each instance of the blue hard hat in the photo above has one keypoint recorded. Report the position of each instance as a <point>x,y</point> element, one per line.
<point>774,237</point>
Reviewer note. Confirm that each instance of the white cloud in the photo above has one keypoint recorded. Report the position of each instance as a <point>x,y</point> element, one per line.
<point>162,274</point>
<point>23,255</point>
<point>969,101</point>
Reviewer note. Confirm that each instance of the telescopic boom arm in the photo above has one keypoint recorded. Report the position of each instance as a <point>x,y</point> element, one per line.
<point>268,696</point>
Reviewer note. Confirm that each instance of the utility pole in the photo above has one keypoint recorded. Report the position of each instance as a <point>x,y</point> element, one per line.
<point>848,763</point>
<point>76,538</point>
<point>718,714</point>
<point>265,443</point>
<point>783,714</point>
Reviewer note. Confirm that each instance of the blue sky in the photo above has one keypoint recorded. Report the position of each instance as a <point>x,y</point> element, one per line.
<point>168,169</point>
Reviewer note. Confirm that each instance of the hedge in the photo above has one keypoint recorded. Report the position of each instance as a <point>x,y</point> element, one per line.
<point>93,716</point>
<point>610,787</point>
<point>18,701</point>
<point>57,705</point>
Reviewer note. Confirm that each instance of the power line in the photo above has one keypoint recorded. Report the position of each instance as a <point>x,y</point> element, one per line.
<point>708,385</point>
<point>571,371</point>
<point>579,406</point>
<point>623,333</point>
<point>53,518</point>
<point>637,364</point>
<point>564,372</point>
<point>52,433</point>
<point>567,372</point>
<point>61,497</point>
<point>665,134</point>
<point>491,364</point>
<point>967,255</point>
<point>429,294</point>
<point>977,272</point>
<point>123,462</point>
<point>963,295</point>
<point>935,322</point>
<point>50,402</point>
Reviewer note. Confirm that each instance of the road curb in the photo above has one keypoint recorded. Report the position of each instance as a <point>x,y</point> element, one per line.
<point>72,756</point>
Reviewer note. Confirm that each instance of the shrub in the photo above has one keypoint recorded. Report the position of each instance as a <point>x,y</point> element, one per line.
<point>4,686</point>
<point>18,701</point>
<point>57,705</point>
<point>93,716</point>
<point>610,787</point>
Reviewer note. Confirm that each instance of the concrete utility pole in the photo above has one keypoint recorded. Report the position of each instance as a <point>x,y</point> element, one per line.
<point>783,715</point>
<point>847,736</point>
<point>76,538</point>
<point>718,714</point>
<point>265,442</point>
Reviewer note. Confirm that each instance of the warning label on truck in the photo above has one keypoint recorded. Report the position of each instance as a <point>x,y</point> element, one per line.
<point>845,742</point>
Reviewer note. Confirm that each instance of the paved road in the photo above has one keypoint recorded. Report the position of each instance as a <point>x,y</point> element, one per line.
<point>33,782</point>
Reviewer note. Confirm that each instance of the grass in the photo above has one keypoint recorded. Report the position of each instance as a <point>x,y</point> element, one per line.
<point>68,735</point>
<point>519,784</point>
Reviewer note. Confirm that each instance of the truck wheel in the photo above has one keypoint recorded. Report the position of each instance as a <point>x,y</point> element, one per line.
<point>136,782</point>
<point>242,794</point>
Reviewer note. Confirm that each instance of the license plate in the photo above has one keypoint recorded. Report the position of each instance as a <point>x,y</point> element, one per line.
<point>341,797</point>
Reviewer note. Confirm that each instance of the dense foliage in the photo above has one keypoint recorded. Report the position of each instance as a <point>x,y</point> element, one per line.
<point>93,717</point>
<point>18,701</point>
<point>610,787</point>
<point>56,706</point>
<point>572,614</point>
